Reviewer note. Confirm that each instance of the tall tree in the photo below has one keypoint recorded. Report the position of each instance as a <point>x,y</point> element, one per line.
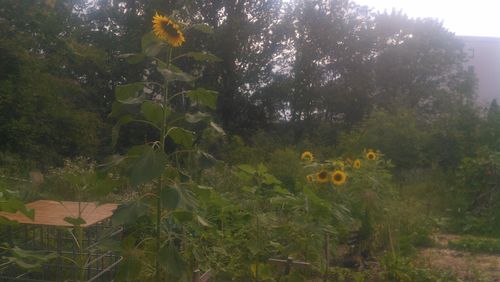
<point>44,109</point>
<point>334,49</point>
<point>419,64</point>
<point>247,36</point>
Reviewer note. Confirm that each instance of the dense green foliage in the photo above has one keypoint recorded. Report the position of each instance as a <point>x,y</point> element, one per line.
<point>88,78</point>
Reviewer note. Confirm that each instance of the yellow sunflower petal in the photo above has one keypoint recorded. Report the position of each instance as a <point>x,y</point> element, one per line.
<point>167,30</point>
<point>357,164</point>
<point>307,156</point>
<point>338,177</point>
<point>310,178</point>
<point>371,155</point>
<point>322,176</point>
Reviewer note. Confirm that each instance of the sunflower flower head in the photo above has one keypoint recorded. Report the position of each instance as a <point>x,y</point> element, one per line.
<point>310,178</point>
<point>371,155</point>
<point>338,177</point>
<point>167,30</point>
<point>322,176</point>
<point>307,156</point>
<point>357,164</point>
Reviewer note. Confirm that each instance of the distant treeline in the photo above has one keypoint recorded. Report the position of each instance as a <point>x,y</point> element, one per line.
<point>313,70</point>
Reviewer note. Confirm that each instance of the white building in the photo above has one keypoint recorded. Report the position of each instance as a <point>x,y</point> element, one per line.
<point>484,57</point>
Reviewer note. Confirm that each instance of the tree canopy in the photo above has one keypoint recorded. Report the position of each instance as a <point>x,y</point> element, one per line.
<point>299,64</point>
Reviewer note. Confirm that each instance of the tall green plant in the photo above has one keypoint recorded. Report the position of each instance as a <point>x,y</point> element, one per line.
<point>165,104</point>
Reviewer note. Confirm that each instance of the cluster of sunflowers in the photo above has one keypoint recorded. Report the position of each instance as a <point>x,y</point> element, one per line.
<point>334,171</point>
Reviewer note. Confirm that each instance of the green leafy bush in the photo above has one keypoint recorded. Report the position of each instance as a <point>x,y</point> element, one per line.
<point>402,269</point>
<point>399,136</point>
<point>477,210</point>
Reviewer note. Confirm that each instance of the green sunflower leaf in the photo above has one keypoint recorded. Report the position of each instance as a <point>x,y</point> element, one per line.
<point>130,269</point>
<point>170,198</point>
<point>28,259</point>
<point>128,214</point>
<point>153,112</point>
<point>115,132</point>
<point>148,166</point>
<point>181,136</point>
<point>118,110</point>
<point>203,96</point>
<point>197,117</point>
<point>169,255</point>
<point>13,205</point>
<point>151,46</point>
<point>182,215</point>
<point>133,58</point>
<point>247,168</point>
<point>102,186</point>
<point>172,75</point>
<point>135,151</point>
<point>130,93</point>
<point>203,56</point>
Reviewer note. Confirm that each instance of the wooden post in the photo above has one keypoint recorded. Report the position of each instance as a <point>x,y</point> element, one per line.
<point>198,277</point>
<point>327,255</point>
<point>289,263</point>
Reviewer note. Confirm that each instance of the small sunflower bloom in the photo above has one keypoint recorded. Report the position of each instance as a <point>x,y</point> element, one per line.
<point>357,164</point>
<point>338,177</point>
<point>371,155</point>
<point>322,176</point>
<point>307,156</point>
<point>310,178</point>
<point>167,30</point>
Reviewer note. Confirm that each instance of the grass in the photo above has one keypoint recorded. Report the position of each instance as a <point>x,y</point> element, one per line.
<point>476,245</point>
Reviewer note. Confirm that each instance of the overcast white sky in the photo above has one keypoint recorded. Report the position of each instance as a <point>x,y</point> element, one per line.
<point>463,17</point>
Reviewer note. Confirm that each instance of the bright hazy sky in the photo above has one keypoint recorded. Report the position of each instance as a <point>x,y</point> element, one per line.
<point>463,17</point>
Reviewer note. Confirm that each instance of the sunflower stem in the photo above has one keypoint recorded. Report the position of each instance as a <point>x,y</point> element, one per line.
<point>160,182</point>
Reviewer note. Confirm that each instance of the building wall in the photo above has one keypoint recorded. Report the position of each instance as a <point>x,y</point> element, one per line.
<point>484,57</point>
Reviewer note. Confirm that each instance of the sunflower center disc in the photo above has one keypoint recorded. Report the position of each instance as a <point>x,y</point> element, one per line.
<point>170,29</point>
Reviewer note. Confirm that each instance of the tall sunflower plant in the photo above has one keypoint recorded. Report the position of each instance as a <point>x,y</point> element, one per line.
<point>351,191</point>
<point>159,219</point>
<point>327,214</point>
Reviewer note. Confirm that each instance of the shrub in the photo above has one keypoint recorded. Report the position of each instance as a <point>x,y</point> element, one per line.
<point>402,269</point>
<point>398,135</point>
<point>477,180</point>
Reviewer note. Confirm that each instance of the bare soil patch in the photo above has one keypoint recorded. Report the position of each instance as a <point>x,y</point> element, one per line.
<point>465,265</point>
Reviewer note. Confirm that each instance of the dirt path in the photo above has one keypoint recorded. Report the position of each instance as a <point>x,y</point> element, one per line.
<point>465,265</point>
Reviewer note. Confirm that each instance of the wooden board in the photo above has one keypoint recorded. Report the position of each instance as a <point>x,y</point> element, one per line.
<point>52,213</point>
